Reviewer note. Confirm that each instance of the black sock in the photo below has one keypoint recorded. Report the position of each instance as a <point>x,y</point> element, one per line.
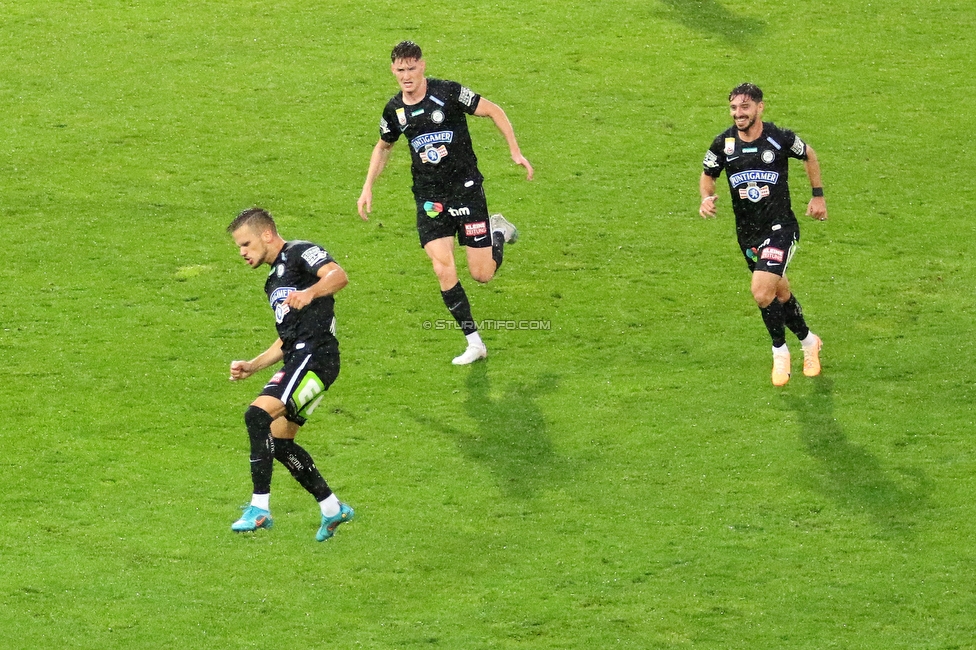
<point>772,315</point>
<point>793,316</point>
<point>497,248</point>
<point>298,461</point>
<point>457,303</point>
<point>262,448</point>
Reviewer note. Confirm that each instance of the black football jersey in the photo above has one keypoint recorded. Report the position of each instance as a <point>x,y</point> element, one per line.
<point>436,129</point>
<point>758,175</point>
<point>296,269</point>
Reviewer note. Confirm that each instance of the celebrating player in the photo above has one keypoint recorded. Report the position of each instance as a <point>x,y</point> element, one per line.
<point>447,186</point>
<point>755,156</point>
<point>301,288</point>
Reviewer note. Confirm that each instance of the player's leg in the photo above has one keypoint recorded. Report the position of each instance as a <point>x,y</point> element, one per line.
<point>258,419</point>
<point>795,321</point>
<point>765,286</point>
<point>303,391</point>
<point>441,253</point>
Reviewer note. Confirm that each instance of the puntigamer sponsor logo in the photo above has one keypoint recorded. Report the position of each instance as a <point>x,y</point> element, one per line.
<point>753,176</point>
<point>439,137</point>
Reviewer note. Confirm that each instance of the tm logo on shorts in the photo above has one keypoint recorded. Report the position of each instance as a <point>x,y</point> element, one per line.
<point>432,209</point>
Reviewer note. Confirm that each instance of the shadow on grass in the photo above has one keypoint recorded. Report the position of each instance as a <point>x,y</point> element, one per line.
<point>710,17</point>
<point>509,434</point>
<point>851,475</point>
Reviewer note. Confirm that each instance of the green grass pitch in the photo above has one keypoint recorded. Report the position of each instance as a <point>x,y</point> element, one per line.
<point>626,478</point>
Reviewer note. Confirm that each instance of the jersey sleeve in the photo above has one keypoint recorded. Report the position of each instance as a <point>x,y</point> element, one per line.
<point>714,160</point>
<point>313,257</point>
<point>797,147</point>
<point>466,99</point>
<point>389,130</point>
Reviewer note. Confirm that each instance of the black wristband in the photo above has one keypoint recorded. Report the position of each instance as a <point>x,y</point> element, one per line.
<point>818,191</point>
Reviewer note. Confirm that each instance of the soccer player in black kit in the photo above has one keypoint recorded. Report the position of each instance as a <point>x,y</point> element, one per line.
<point>301,287</point>
<point>447,186</point>
<point>755,156</point>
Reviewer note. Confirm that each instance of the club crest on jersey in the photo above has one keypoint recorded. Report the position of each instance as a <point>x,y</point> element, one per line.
<point>433,209</point>
<point>401,116</point>
<point>768,156</point>
<point>277,300</point>
<point>753,176</point>
<point>754,192</point>
<point>729,146</point>
<point>437,116</point>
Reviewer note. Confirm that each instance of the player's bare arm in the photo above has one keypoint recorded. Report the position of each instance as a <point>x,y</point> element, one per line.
<point>498,116</point>
<point>244,369</point>
<point>331,280</point>
<point>817,208</point>
<point>377,161</point>
<point>706,187</point>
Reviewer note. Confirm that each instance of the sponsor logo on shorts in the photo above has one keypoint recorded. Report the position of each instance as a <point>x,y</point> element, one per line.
<point>753,176</point>
<point>458,212</point>
<point>768,156</point>
<point>314,255</point>
<point>278,376</point>
<point>773,254</point>
<point>475,229</point>
<point>729,146</point>
<point>466,96</point>
<point>433,209</point>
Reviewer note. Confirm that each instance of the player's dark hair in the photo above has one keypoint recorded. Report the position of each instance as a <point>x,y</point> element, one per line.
<point>258,219</point>
<point>752,91</point>
<point>406,50</point>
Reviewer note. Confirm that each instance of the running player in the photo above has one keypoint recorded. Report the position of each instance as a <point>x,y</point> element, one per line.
<point>301,288</point>
<point>755,156</point>
<point>447,186</point>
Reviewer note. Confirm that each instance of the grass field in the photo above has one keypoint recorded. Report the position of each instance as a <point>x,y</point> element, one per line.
<point>627,477</point>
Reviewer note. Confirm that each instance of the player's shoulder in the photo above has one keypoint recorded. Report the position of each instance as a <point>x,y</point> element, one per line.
<point>772,129</point>
<point>723,136</point>
<point>309,251</point>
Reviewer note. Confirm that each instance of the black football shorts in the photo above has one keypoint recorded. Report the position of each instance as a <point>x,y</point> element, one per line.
<point>774,252</point>
<point>464,214</point>
<point>302,381</point>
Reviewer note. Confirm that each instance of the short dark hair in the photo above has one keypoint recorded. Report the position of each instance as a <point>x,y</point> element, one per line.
<point>406,50</point>
<point>752,91</point>
<point>258,219</point>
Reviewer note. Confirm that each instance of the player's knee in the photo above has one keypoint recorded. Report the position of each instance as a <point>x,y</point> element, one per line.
<point>763,296</point>
<point>483,275</point>
<point>258,423</point>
